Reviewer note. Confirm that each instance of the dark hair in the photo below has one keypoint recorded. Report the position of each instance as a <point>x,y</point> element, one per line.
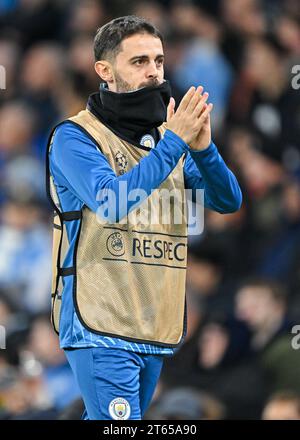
<point>278,292</point>
<point>285,396</point>
<point>110,36</point>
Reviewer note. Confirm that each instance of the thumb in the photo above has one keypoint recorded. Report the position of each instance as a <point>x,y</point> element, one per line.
<point>170,109</point>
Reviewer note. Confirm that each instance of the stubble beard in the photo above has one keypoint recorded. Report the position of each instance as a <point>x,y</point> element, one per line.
<point>123,86</point>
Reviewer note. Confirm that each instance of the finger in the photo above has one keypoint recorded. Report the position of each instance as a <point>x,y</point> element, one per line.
<point>194,100</point>
<point>186,99</point>
<point>199,107</point>
<point>204,108</point>
<point>206,113</point>
<point>171,109</point>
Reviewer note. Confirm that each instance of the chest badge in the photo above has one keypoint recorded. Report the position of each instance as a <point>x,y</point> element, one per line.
<point>148,141</point>
<point>121,161</point>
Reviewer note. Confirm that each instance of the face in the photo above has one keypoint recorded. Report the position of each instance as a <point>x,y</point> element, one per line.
<point>254,305</point>
<point>281,410</point>
<point>140,63</point>
<point>203,276</point>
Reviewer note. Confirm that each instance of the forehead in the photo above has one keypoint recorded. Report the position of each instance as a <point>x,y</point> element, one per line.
<point>140,44</point>
<point>254,294</point>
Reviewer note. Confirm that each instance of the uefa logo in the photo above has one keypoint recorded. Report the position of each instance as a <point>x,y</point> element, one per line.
<point>115,244</point>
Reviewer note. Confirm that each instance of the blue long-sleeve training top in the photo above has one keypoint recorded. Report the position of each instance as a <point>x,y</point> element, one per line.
<point>80,171</point>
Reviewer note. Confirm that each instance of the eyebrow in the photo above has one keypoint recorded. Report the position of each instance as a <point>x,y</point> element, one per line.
<point>145,57</point>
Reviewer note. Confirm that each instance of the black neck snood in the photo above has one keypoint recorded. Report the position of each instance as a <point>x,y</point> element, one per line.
<point>132,114</point>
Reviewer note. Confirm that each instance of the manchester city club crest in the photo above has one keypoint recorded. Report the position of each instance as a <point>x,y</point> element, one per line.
<point>119,409</point>
<point>147,141</point>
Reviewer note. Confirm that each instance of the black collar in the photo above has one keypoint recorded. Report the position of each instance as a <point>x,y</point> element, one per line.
<point>126,135</point>
<point>132,115</point>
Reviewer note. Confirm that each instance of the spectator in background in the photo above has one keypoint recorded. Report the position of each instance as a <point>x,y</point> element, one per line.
<point>12,141</point>
<point>207,275</point>
<point>272,231</point>
<point>15,143</point>
<point>25,252</point>
<point>228,234</point>
<point>13,399</point>
<point>23,396</point>
<point>264,224</point>
<point>262,305</point>
<point>84,18</point>
<point>155,13</point>
<point>219,364</point>
<point>241,20</point>
<point>15,321</point>
<point>32,20</point>
<point>264,97</point>
<point>181,362</point>
<point>185,404</point>
<point>42,81</point>
<point>283,405</point>
<point>288,33</point>
<point>58,378</point>
<point>83,77</point>
<point>281,250</point>
<point>244,17</point>
<point>202,58</point>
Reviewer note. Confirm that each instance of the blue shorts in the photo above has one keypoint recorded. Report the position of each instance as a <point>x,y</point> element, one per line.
<point>114,383</point>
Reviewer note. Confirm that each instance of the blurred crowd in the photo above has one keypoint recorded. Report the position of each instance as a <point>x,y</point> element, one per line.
<point>243,279</point>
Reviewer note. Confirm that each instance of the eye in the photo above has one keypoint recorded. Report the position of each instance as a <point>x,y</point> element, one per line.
<point>138,62</point>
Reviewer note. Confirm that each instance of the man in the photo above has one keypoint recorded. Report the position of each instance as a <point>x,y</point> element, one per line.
<point>262,305</point>
<point>119,289</point>
<point>284,405</point>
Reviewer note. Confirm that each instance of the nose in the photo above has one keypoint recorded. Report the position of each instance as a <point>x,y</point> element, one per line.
<point>152,71</point>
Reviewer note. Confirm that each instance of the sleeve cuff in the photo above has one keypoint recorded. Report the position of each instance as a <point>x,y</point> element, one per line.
<point>177,139</point>
<point>211,150</point>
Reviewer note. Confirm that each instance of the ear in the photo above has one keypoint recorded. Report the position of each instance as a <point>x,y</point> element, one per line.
<point>104,70</point>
